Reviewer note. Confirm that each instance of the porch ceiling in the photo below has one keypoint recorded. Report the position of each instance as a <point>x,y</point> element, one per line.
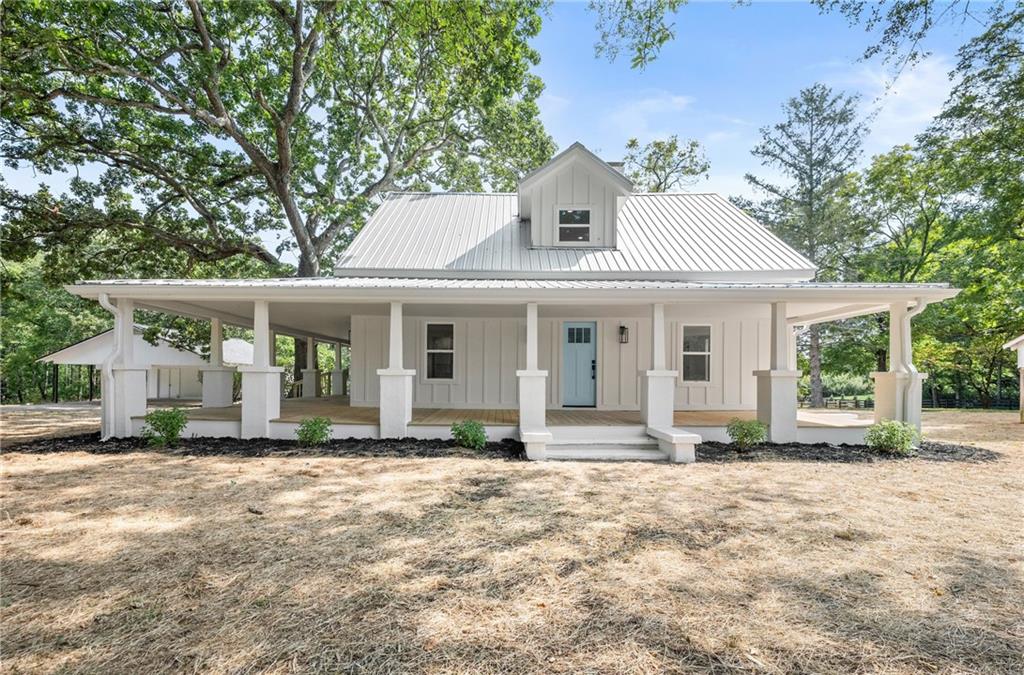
<point>326,322</point>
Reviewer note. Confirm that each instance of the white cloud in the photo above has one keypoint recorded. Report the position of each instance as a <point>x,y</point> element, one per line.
<point>648,117</point>
<point>900,109</point>
<point>720,136</point>
<point>552,104</point>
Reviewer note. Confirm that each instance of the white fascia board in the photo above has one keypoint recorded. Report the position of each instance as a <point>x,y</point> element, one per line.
<point>551,295</point>
<point>1016,343</point>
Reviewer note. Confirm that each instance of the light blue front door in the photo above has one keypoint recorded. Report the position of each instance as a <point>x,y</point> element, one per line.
<point>579,372</point>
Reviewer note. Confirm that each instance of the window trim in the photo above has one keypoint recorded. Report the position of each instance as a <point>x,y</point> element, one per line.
<point>710,354</point>
<point>427,351</point>
<point>590,225</point>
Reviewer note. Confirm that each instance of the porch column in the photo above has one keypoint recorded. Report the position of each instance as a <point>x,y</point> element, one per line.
<point>395,383</point>
<point>898,390</point>
<point>261,382</point>
<point>777,386</point>
<point>128,399</point>
<point>337,375</point>
<point>657,398</point>
<point>533,429</point>
<point>218,380</point>
<point>310,374</point>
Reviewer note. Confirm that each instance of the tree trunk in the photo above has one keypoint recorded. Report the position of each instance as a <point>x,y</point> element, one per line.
<point>309,266</point>
<point>92,382</point>
<point>814,355</point>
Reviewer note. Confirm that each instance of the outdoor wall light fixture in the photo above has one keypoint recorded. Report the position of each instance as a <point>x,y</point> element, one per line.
<point>623,335</point>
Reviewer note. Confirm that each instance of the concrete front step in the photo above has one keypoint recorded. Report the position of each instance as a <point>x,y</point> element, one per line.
<point>608,452</point>
<point>604,434</point>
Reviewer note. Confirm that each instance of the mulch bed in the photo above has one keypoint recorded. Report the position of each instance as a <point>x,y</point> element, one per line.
<point>825,452</point>
<point>506,449</point>
<point>264,447</point>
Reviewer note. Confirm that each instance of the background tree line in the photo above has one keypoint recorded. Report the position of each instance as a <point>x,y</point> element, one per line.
<point>211,127</point>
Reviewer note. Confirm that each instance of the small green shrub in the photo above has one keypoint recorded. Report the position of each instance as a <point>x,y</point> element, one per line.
<point>313,431</point>
<point>164,427</point>
<point>746,433</point>
<point>891,436</point>
<point>469,434</point>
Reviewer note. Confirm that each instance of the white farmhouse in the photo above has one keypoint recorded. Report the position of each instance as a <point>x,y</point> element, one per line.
<point>584,318</point>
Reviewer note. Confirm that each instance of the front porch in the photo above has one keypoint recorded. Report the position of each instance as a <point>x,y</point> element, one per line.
<point>656,378</point>
<point>834,426</point>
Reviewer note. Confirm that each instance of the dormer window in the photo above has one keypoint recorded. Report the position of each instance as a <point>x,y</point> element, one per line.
<point>573,225</point>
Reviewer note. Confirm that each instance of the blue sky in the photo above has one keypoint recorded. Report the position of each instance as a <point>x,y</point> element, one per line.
<point>727,74</point>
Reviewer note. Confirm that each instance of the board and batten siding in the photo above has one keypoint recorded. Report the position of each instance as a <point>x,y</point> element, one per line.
<point>488,351</point>
<point>573,186</point>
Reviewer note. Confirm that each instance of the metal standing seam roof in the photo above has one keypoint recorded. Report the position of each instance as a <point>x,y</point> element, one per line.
<point>664,235</point>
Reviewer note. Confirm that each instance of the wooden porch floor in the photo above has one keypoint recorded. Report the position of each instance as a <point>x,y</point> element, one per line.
<point>338,410</point>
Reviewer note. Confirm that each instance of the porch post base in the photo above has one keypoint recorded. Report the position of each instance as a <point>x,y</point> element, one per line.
<point>218,386</point>
<point>890,387</point>
<point>898,396</point>
<point>309,380</point>
<point>261,399</point>
<point>536,444</point>
<point>657,398</point>
<point>337,382</point>
<point>128,399</point>
<point>395,401</point>
<point>533,426</point>
<point>776,403</point>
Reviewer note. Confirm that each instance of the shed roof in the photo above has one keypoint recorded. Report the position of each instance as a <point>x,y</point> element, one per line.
<point>681,237</point>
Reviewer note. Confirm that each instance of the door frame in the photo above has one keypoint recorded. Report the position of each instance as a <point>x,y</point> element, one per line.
<point>562,343</point>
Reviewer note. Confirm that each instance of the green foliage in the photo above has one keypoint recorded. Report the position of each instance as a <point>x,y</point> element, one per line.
<point>746,433</point>
<point>164,427</point>
<point>640,27</point>
<point>846,384</point>
<point>664,166</point>
<point>38,319</point>
<point>313,431</point>
<point>469,434</point>
<point>216,127</point>
<point>891,436</point>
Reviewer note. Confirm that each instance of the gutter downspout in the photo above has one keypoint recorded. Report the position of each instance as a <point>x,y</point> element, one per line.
<point>109,414</point>
<point>914,386</point>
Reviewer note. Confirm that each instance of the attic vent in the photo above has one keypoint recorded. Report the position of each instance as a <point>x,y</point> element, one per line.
<point>618,166</point>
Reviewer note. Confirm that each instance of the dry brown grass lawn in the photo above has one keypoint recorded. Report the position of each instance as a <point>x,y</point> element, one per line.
<point>155,563</point>
<point>19,423</point>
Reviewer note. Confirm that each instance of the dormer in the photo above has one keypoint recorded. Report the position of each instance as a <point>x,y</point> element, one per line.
<point>573,201</point>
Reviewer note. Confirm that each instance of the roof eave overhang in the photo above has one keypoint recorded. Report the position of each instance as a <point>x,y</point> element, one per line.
<point>170,292</point>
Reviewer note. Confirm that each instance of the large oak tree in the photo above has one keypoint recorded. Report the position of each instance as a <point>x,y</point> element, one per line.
<point>215,122</point>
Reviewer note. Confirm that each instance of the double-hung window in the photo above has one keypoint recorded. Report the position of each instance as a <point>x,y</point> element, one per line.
<point>696,353</point>
<point>573,225</point>
<point>440,351</point>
